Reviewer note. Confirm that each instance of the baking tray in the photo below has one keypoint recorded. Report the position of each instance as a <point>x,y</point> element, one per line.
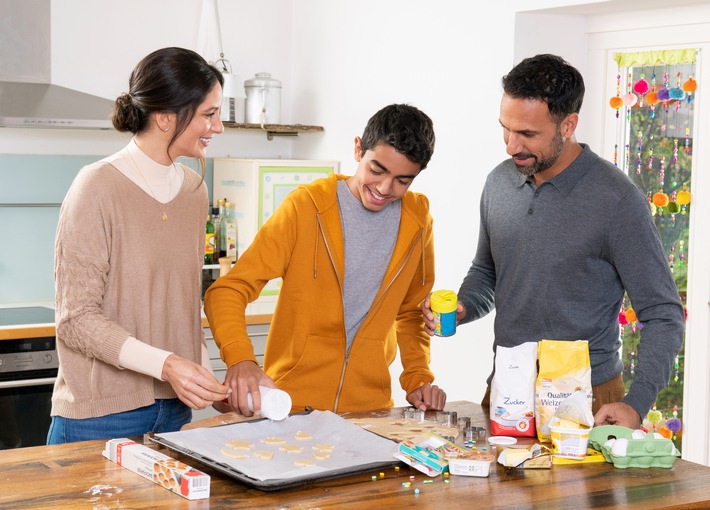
<point>356,450</point>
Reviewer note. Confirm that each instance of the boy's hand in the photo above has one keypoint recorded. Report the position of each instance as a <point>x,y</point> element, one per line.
<point>428,396</point>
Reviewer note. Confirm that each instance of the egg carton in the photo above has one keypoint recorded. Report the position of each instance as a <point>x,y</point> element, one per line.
<point>627,448</point>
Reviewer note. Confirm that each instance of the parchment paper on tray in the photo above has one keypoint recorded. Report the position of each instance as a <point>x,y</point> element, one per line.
<point>352,446</point>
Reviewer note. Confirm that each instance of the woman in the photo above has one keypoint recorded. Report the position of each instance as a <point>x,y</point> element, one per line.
<point>128,257</point>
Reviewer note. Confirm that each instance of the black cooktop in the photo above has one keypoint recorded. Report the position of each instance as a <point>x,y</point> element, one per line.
<point>26,315</point>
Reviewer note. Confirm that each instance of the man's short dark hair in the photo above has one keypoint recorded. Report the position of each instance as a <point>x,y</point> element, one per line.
<point>547,78</point>
<point>406,128</point>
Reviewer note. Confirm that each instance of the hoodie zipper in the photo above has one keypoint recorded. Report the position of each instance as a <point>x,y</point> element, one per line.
<point>340,284</point>
<point>391,282</point>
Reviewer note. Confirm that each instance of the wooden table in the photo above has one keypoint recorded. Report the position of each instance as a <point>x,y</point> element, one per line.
<point>78,476</point>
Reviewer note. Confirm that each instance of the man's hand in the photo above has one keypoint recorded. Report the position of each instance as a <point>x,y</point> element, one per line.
<point>617,413</point>
<point>428,315</point>
<point>428,396</point>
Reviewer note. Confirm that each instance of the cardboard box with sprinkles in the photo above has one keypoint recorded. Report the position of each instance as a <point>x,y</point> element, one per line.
<point>432,455</point>
<point>162,470</point>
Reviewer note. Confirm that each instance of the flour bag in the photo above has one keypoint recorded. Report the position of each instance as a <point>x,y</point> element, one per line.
<point>513,391</point>
<point>564,368</point>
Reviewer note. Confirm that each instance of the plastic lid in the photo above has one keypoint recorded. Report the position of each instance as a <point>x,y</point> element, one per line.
<point>263,80</point>
<point>444,301</point>
<point>502,440</point>
<point>275,403</point>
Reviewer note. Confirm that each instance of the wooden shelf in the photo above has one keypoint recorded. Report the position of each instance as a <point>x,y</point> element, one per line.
<point>276,129</point>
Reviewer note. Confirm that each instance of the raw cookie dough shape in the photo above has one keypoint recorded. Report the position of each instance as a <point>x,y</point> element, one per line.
<point>264,454</point>
<point>321,455</point>
<point>233,454</point>
<point>304,462</point>
<point>240,444</point>
<point>322,447</point>
<point>303,436</point>
<point>274,440</point>
<point>291,448</point>
<point>234,448</point>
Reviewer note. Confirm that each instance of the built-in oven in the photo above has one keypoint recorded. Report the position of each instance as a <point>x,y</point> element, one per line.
<point>28,369</point>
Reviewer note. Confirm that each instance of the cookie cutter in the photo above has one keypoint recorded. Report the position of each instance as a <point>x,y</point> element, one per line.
<point>412,413</point>
<point>463,422</point>
<point>447,418</point>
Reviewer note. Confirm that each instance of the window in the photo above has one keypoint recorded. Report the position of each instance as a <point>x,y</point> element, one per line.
<point>655,107</point>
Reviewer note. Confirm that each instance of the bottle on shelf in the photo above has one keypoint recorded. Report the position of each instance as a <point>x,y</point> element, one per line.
<point>209,241</point>
<point>230,232</point>
<point>221,247</point>
<point>217,218</point>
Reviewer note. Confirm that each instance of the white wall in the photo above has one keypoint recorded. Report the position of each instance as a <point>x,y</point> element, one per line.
<point>535,34</point>
<point>351,60</point>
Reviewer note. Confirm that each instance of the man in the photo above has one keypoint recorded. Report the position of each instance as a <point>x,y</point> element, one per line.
<point>563,235</point>
<point>356,257</point>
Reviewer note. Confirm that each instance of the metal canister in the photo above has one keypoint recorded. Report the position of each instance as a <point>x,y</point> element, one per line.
<point>263,105</point>
<point>443,306</point>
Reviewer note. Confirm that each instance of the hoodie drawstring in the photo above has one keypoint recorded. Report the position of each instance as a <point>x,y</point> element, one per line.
<point>423,260</point>
<point>315,249</point>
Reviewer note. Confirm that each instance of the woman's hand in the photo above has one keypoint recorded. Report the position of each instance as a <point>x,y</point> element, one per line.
<point>193,383</point>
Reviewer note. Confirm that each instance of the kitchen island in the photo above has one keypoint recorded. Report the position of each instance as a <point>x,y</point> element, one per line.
<point>78,476</point>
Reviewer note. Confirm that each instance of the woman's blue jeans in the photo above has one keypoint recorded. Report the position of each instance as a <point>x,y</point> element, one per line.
<point>165,415</point>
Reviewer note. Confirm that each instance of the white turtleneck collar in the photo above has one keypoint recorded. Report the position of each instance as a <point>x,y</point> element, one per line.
<point>159,181</point>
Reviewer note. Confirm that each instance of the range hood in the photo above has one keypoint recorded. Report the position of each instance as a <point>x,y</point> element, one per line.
<point>28,98</point>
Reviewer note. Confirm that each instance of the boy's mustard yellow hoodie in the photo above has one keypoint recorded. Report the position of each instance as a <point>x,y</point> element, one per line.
<point>305,351</point>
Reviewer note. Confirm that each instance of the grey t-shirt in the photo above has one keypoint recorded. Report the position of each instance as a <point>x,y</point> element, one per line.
<point>369,239</point>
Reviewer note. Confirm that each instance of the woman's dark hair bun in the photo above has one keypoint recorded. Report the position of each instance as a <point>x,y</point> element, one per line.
<point>125,116</point>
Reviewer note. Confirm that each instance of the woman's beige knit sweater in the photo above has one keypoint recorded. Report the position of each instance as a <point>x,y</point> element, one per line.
<point>121,271</point>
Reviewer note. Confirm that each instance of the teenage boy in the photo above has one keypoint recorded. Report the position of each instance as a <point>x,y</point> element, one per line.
<point>356,255</point>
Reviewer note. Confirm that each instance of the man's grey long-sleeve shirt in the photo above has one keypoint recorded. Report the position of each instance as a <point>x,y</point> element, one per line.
<point>556,259</point>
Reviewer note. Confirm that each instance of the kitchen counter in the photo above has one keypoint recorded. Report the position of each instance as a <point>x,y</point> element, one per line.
<point>42,330</point>
<point>78,476</point>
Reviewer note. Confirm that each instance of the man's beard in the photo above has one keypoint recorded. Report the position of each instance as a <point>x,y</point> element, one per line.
<point>540,165</point>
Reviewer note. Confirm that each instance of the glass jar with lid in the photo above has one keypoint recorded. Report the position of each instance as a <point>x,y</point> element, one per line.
<point>263,105</point>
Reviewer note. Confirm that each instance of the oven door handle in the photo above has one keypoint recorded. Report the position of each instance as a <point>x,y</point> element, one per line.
<point>27,382</point>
